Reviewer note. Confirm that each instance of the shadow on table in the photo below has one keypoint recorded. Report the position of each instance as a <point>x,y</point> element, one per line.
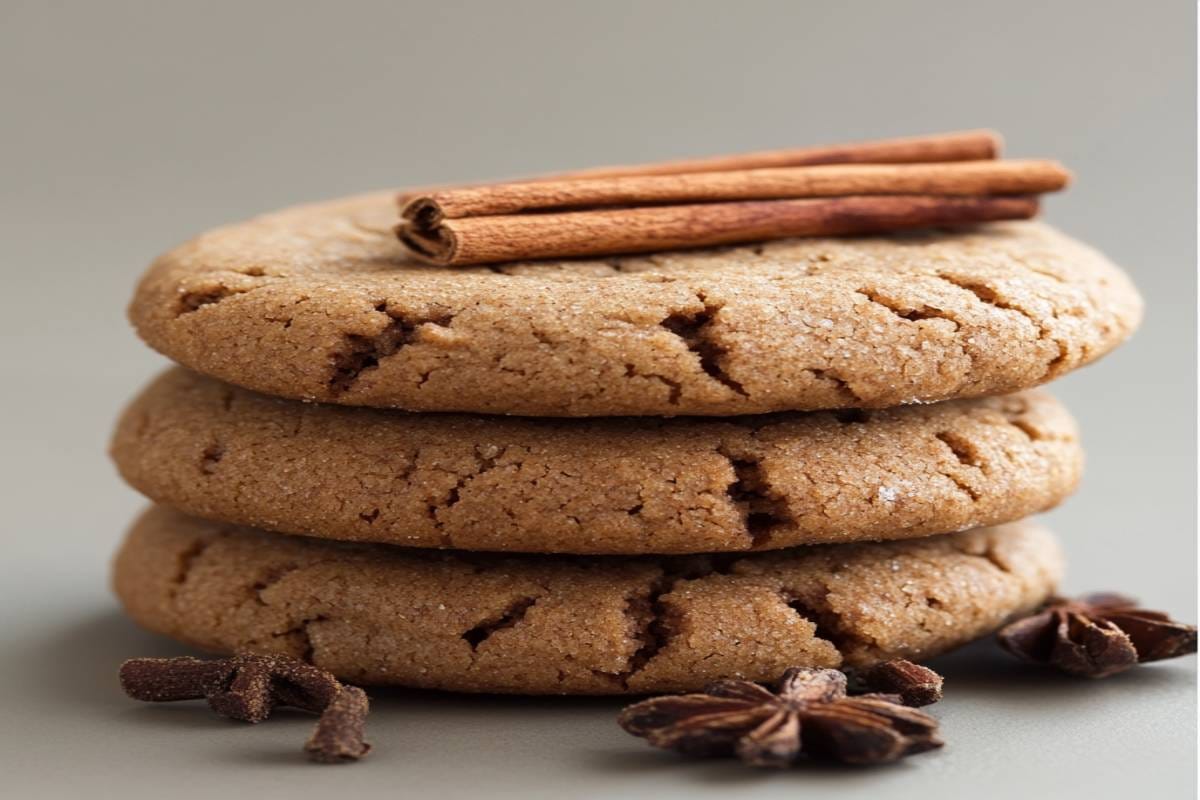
<point>80,660</point>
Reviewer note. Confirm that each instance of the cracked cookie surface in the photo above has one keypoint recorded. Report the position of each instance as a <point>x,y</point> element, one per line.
<point>594,486</point>
<point>374,614</point>
<point>317,302</point>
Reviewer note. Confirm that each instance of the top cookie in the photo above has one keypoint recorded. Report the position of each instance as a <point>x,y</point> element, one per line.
<point>318,302</point>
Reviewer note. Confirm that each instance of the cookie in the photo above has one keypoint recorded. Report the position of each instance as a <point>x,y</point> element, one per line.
<point>318,303</point>
<point>624,486</point>
<point>374,614</point>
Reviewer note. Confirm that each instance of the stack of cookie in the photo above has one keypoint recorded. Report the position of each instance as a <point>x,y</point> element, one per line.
<point>715,463</point>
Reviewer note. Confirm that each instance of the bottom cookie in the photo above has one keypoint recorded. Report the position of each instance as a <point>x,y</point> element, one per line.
<point>374,614</point>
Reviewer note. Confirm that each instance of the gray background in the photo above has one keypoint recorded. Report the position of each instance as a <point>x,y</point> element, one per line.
<point>128,127</point>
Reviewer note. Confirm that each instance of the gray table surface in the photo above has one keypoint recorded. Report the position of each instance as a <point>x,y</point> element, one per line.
<point>130,126</point>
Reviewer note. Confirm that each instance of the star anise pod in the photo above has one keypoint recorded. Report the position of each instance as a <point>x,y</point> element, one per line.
<point>1097,635</point>
<point>916,685</point>
<point>809,714</point>
<point>250,687</point>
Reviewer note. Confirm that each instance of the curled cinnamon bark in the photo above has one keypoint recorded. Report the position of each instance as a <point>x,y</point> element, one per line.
<point>971,145</point>
<point>484,240</point>
<point>839,180</point>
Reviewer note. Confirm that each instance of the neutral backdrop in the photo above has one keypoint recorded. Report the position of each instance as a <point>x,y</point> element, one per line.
<point>128,127</point>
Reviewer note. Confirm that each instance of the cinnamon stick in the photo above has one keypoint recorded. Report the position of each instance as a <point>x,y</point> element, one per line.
<point>956,178</point>
<point>492,239</point>
<point>954,146</point>
<point>972,145</point>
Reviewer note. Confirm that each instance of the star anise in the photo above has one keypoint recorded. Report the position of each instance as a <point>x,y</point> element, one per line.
<point>809,714</point>
<point>1097,635</point>
<point>250,687</point>
<point>916,685</point>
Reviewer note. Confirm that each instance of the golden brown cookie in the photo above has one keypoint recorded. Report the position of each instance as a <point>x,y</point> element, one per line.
<point>375,614</point>
<point>318,303</point>
<point>599,485</point>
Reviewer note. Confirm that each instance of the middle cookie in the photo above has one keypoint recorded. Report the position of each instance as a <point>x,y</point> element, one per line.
<point>604,486</point>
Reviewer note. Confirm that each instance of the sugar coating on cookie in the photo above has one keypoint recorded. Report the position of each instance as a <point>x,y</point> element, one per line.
<point>317,302</point>
<point>543,624</point>
<point>617,486</point>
